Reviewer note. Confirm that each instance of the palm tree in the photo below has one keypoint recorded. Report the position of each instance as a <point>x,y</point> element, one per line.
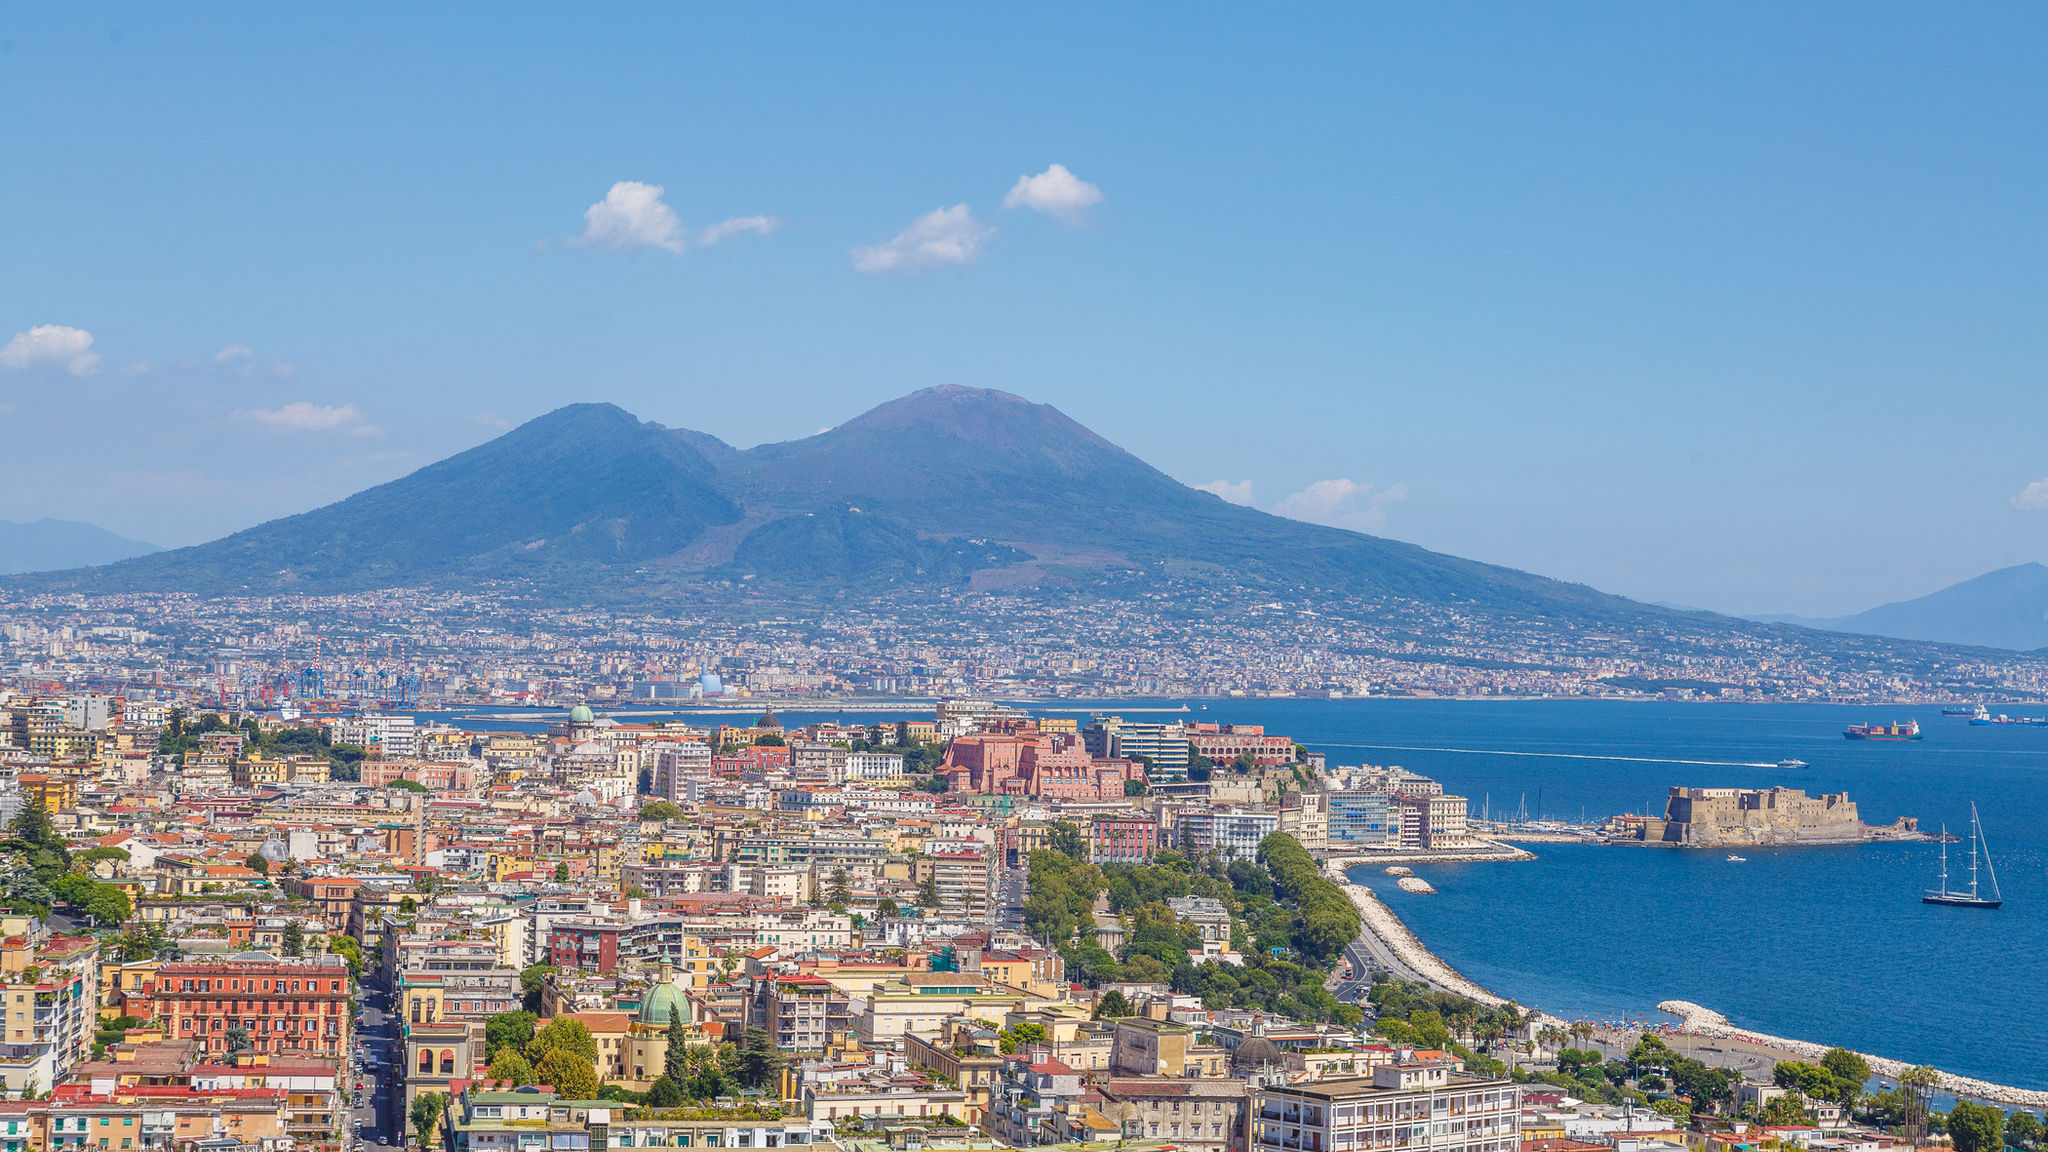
<point>1918,1085</point>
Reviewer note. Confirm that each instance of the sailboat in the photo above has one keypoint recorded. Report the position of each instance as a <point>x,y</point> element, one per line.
<point>1959,899</point>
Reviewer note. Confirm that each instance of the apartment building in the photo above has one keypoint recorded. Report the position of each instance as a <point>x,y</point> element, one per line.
<point>284,1006</point>
<point>1420,1106</point>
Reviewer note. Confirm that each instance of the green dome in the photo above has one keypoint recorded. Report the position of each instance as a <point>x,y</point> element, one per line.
<point>581,714</point>
<point>660,1000</point>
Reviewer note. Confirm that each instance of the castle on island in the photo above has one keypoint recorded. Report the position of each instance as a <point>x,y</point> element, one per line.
<point>1722,817</point>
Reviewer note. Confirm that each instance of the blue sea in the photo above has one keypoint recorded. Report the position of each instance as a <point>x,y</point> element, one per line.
<point>1823,944</point>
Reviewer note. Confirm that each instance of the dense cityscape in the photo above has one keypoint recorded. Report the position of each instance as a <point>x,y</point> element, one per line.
<point>514,646</point>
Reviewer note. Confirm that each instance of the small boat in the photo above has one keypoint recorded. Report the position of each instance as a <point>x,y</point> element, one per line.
<point>1791,763</point>
<point>1738,859</point>
<point>1970,899</point>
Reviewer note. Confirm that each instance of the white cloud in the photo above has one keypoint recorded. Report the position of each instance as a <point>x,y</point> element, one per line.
<point>306,416</point>
<point>1057,193</point>
<point>725,229</point>
<point>1238,493</point>
<point>631,215</point>
<point>51,346</point>
<point>2032,498</point>
<point>937,238</point>
<point>139,368</point>
<point>1342,504</point>
<point>234,354</point>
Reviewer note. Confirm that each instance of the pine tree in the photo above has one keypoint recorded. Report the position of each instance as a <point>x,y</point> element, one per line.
<point>675,1064</point>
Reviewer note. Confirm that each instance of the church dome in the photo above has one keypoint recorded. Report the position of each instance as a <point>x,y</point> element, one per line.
<point>1254,1052</point>
<point>661,1000</point>
<point>581,714</point>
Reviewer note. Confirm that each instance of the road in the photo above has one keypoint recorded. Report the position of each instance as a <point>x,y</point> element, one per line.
<point>380,1117</point>
<point>1009,911</point>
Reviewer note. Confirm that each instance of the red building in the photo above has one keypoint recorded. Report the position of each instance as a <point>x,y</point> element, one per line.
<point>286,1006</point>
<point>1045,767</point>
<point>1122,839</point>
<point>1224,743</point>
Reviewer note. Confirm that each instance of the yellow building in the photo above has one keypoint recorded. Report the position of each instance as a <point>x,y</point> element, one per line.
<point>54,793</point>
<point>258,771</point>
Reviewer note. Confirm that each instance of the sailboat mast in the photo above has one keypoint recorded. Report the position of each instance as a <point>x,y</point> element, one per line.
<point>1987,851</point>
<point>1973,851</point>
<point>1944,859</point>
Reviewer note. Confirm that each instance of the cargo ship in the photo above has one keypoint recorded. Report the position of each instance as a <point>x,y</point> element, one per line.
<point>1962,711</point>
<point>1910,730</point>
<point>1983,718</point>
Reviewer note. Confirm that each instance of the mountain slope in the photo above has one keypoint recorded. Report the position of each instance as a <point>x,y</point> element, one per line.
<point>944,487</point>
<point>2003,609</point>
<point>977,463</point>
<point>583,485</point>
<point>45,545</point>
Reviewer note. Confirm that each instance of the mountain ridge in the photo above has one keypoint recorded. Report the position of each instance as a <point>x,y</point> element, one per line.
<point>48,544</point>
<point>2005,608</point>
<point>948,486</point>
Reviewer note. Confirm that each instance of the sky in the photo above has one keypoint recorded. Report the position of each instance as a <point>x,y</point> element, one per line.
<point>1736,306</point>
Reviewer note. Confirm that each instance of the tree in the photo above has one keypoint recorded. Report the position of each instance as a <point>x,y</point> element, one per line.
<point>530,982</point>
<point>760,1059</point>
<point>512,1067</point>
<point>1112,1005</point>
<point>769,740</point>
<point>675,1063</point>
<point>238,1040</point>
<point>1976,1127</point>
<point>258,864</point>
<point>885,908</point>
<point>573,1076</point>
<point>840,891</point>
<point>350,952</point>
<point>565,1034</point>
<point>928,892</point>
<point>1784,1110</point>
<point>1917,1086</point>
<point>709,1081</point>
<point>425,1115</point>
<point>660,810</point>
<point>664,1093</point>
<point>294,939</point>
<point>507,1030</point>
<point>562,872</point>
<point>2022,1129</point>
<point>1066,839</point>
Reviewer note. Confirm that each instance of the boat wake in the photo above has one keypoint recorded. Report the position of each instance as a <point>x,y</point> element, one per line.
<point>1558,755</point>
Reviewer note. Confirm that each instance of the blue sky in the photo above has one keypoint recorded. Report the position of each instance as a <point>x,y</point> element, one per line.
<point>1727,305</point>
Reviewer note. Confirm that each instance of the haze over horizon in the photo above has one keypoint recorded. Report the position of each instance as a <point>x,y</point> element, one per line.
<point>1731,307</point>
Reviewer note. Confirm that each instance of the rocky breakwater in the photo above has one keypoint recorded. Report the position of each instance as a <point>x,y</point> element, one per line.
<point>1707,1022</point>
<point>1759,818</point>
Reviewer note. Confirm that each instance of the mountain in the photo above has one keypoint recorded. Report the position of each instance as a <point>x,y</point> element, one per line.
<point>2003,609</point>
<point>46,545</point>
<point>579,489</point>
<point>947,486</point>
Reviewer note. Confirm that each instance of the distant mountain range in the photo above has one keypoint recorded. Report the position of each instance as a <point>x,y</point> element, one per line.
<point>2003,609</point>
<point>949,486</point>
<point>49,545</point>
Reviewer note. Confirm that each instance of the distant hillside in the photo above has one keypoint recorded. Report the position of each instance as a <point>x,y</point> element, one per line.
<point>948,486</point>
<point>47,545</point>
<point>2003,609</point>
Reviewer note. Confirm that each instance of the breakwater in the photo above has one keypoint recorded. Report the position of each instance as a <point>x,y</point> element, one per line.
<point>1707,1022</point>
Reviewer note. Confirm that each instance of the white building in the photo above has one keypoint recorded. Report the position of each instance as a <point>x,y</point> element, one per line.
<point>1234,833</point>
<point>389,735</point>
<point>864,766</point>
<point>1422,1105</point>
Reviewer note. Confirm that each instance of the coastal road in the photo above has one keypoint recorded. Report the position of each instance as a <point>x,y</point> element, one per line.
<point>1369,954</point>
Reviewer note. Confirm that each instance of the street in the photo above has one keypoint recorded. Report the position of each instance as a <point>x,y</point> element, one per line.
<point>381,1088</point>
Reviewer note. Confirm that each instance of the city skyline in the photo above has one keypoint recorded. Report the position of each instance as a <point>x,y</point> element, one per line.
<point>1735,341</point>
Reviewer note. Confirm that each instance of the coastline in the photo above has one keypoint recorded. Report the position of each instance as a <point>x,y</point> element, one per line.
<point>1393,936</point>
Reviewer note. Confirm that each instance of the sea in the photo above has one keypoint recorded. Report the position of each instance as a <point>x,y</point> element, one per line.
<point>1827,944</point>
